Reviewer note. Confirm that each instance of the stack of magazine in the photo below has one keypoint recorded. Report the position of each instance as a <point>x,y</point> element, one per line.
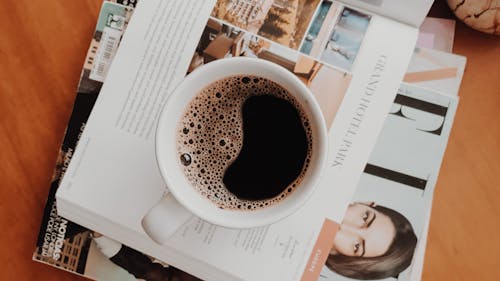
<point>351,54</point>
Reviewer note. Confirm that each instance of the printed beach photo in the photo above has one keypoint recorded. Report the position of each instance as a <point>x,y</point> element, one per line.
<point>336,34</point>
<point>282,21</point>
<point>219,41</point>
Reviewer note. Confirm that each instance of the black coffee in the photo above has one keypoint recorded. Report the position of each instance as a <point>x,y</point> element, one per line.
<point>274,149</point>
<point>244,142</point>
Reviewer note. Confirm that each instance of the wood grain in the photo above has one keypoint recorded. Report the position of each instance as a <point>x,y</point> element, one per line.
<point>465,219</point>
<point>42,48</point>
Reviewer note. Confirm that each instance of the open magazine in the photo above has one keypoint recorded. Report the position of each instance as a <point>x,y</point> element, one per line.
<point>269,51</point>
<point>91,261</point>
<point>84,253</point>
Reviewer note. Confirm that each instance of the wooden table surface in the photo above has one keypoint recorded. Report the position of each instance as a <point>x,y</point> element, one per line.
<point>42,48</point>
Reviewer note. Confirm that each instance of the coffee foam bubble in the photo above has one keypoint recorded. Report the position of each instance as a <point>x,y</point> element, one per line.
<point>210,137</point>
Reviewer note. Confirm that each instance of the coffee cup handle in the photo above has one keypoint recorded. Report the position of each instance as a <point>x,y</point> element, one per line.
<point>164,219</point>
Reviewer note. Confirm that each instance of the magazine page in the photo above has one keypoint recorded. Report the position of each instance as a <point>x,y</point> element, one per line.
<point>410,12</point>
<point>114,166</point>
<point>390,210</point>
<point>448,88</point>
<point>410,99</point>
<point>418,260</point>
<point>62,243</point>
<point>437,34</point>
<point>67,245</point>
<point>435,70</point>
<point>440,85</point>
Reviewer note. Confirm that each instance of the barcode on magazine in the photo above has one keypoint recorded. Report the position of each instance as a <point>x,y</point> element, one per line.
<point>107,48</point>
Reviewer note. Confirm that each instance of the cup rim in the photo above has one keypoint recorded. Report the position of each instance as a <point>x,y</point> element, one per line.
<point>239,219</point>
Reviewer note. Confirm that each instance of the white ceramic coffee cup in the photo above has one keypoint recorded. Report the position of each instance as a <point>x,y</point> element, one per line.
<point>183,200</point>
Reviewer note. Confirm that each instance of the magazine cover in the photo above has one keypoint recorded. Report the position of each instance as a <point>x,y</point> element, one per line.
<point>382,225</point>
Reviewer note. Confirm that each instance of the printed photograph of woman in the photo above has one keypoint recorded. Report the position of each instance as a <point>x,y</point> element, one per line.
<point>373,242</point>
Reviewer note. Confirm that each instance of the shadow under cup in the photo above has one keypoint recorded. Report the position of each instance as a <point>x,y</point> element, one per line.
<point>167,153</point>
